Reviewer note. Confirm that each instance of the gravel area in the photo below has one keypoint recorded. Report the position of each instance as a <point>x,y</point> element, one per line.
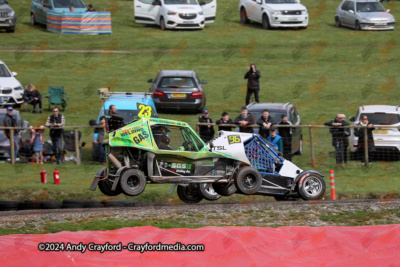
<point>268,214</point>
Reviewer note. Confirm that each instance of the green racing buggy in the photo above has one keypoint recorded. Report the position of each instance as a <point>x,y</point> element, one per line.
<point>154,150</point>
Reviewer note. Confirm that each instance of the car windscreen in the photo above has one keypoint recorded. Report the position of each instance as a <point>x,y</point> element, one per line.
<point>180,2</point>
<point>2,2</point>
<point>382,118</point>
<point>68,3</point>
<point>369,7</point>
<point>4,71</point>
<point>275,114</point>
<point>177,82</point>
<point>281,1</point>
<point>128,115</point>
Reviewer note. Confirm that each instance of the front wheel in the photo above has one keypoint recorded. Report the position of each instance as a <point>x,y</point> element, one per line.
<point>162,24</point>
<point>133,182</point>
<point>265,22</point>
<point>248,180</point>
<point>311,187</point>
<point>106,185</point>
<point>337,22</point>
<point>208,192</point>
<point>189,194</point>
<point>358,26</point>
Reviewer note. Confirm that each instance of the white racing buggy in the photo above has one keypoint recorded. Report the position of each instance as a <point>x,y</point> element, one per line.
<point>153,150</point>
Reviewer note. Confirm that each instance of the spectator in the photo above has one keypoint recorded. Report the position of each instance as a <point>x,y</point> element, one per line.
<point>56,121</point>
<point>71,8</point>
<point>286,134</point>
<point>100,138</point>
<point>340,138</point>
<point>206,131</point>
<point>243,120</point>
<point>253,83</point>
<point>224,120</point>
<point>37,141</point>
<point>265,122</point>
<point>90,8</point>
<point>33,97</point>
<point>10,121</point>
<point>275,139</point>
<point>360,133</point>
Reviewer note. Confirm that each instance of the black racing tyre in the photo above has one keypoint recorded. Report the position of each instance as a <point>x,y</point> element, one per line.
<point>358,26</point>
<point>30,205</point>
<point>72,206</point>
<point>243,16</point>
<point>312,187</point>
<point>9,205</point>
<point>162,24</point>
<point>337,22</point>
<point>285,198</point>
<point>106,185</point>
<point>248,181</point>
<point>189,194</point>
<point>225,189</point>
<point>265,22</point>
<point>93,204</point>
<point>50,205</point>
<point>133,182</point>
<point>208,192</point>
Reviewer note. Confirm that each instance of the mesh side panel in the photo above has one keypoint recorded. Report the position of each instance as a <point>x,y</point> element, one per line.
<point>258,157</point>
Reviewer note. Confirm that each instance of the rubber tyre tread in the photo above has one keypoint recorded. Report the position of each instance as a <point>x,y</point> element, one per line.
<point>124,179</point>
<point>304,195</point>
<point>9,205</point>
<point>241,175</point>
<point>105,185</point>
<point>205,194</point>
<point>189,198</point>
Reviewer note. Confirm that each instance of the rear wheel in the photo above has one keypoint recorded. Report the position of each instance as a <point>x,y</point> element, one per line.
<point>265,22</point>
<point>133,182</point>
<point>225,189</point>
<point>189,194</point>
<point>106,185</point>
<point>248,180</point>
<point>208,192</point>
<point>243,16</point>
<point>312,187</point>
<point>337,22</point>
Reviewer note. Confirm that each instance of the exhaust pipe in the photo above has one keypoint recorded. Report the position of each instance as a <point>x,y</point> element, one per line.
<point>114,161</point>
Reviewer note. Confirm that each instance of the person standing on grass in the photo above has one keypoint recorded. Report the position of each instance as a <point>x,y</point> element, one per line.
<point>360,133</point>
<point>55,122</point>
<point>340,138</point>
<point>37,141</point>
<point>10,121</point>
<point>253,83</point>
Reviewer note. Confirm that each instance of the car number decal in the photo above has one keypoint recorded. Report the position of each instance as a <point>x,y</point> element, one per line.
<point>144,111</point>
<point>233,139</point>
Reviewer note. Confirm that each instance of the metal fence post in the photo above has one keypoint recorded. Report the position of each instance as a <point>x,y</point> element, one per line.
<point>12,146</point>
<point>77,148</point>
<point>312,148</point>
<point>366,146</point>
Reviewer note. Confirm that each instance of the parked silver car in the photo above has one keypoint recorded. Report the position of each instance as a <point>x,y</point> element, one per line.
<point>8,19</point>
<point>364,15</point>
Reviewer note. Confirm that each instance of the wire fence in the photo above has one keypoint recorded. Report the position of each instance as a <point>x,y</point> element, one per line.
<point>309,143</point>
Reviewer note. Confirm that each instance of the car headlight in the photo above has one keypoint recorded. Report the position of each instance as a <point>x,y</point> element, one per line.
<point>304,12</point>
<point>11,13</point>
<point>171,13</point>
<point>365,20</point>
<point>18,88</point>
<point>391,20</point>
<point>277,13</point>
<point>201,13</point>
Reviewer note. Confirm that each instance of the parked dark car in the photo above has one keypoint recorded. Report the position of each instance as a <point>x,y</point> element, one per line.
<point>4,141</point>
<point>275,111</point>
<point>178,90</point>
<point>8,19</point>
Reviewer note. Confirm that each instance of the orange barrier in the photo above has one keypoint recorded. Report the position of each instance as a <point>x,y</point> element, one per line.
<point>333,190</point>
<point>224,246</point>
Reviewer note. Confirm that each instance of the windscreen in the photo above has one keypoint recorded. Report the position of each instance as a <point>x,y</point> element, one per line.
<point>369,7</point>
<point>68,3</point>
<point>4,71</point>
<point>382,118</point>
<point>177,82</point>
<point>128,115</point>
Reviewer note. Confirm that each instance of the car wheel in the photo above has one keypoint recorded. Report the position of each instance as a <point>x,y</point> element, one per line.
<point>208,192</point>
<point>33,20</point>
<point>243,16</point>
<point>189,194</point>
<point>106,185</point>
<point>337,22</point>
<point>224,189</point>
<point>312,187</point>
<point>265,22</point>
<point>248,180</point>
<point>358,26</point>
<point>162,24</point>
<point>133,182</point>
<point>285,198</point>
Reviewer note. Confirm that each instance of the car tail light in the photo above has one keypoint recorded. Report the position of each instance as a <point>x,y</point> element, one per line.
<point>158,93</point>
<point>197,94</point>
